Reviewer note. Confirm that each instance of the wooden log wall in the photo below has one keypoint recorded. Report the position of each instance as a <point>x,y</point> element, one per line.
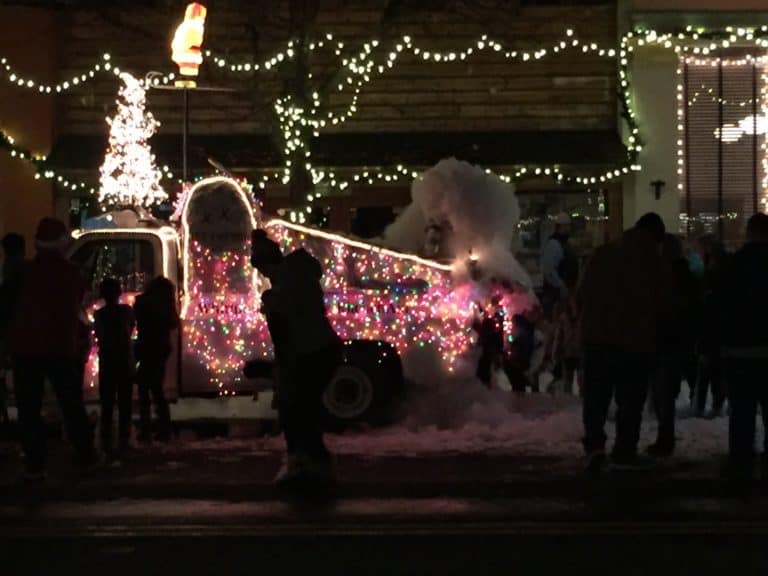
<point>571,91</point>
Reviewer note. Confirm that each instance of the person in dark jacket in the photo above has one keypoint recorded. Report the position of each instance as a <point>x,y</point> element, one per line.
<point>307,351</point>
<point>114,326</point>
<point>44,346</point>
<point>744,330</point>
<point>675,336</point>
<point>156,318</point>
<point>490,339</point>
<point>13,261</point>
<point>621,300</point>
<point>710,377</point>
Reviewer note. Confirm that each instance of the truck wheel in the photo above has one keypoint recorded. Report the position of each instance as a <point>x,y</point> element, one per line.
<point>366,388</point>
<point>349,395</point>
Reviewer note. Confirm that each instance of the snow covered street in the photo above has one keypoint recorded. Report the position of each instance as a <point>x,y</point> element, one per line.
<point>495,423</point>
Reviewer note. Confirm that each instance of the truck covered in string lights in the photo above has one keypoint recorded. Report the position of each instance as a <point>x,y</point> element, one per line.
<point>381,302</point>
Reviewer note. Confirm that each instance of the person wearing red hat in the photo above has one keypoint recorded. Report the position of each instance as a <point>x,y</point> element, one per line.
<point>44,335</point>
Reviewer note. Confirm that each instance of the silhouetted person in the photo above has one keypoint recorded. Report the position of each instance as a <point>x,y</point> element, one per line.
<point>490,339</point>
<point>156,317</point>
<point>44,345</point>
<point>307,351</point>
<point>710,377</point>
<point>744,322</point>
<point>114,326</point>
<point>566,346</point>
<point>621,300</point>
<point>559,266</point>
<point>675,336</point>
<point>10,276</point>
<point>517,361</point>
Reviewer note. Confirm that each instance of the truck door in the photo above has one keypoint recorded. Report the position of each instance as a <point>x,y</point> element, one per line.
<point>133,259</point>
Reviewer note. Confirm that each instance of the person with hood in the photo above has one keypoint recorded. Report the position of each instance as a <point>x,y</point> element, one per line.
<point>13,260</point>
<point>559,265</point>
<point>43,338</point>
<point>156,318</point>
<point>307,351</point>
<point>744,333</point>
<point>621,300</point>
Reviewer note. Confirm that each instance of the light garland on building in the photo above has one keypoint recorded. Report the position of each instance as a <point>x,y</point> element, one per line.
<point>727,132</point>
<point>17,79</point>
<point>361,68</point>
<point>764,147</point>
<point>680,96</point>
<point>104,66</point>
<point>299,126</point>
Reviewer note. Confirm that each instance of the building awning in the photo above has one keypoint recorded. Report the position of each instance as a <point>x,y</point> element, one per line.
<point>240,152</point>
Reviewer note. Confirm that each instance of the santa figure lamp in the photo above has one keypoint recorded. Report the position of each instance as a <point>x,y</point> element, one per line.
<point>188,41</point>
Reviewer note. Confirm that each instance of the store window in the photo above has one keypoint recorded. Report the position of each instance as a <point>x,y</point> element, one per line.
<point>721,152</point>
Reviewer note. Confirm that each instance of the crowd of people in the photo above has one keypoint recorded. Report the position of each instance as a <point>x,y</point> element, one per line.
<point>45,335</point>
<point>640,318</point>
<point>643,317</point>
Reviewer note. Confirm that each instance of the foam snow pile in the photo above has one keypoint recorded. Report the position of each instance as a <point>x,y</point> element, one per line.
<point>458,210</point>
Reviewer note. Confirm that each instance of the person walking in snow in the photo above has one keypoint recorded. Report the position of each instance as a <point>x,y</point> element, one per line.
<point>307,351</point>
<point>43,341</point>
<point>709,373</point>
<point>744,329</point>
<point>156,318</point>
<point>622,297</point>
<point>114,326</point>
<point>675,340</point>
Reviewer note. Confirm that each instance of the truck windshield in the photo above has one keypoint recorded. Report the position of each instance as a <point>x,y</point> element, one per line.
<point>130,261</point>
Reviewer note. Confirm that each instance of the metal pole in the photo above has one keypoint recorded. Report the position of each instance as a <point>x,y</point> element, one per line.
<point>185,134</point>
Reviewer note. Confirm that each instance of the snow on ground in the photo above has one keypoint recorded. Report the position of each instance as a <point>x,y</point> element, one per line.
<point>537,425</point>
<point>474,420</point>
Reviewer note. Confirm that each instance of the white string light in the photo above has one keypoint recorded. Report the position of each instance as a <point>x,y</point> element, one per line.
<point>128,175</point>
<point>17,79</point>
<point>297,124</point>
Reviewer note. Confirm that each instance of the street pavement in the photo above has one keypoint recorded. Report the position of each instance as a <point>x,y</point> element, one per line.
<point>208,506</point>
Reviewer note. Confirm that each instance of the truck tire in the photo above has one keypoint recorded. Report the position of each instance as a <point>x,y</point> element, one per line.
<point>367,388</point>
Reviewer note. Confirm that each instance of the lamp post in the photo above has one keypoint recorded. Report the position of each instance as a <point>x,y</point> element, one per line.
<point>186,52</point>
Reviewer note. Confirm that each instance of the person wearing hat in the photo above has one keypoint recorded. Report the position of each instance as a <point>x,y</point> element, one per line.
<point>44,338</point>
<point>307,351</point>
<point>559,265</point>
<point>624,298</point>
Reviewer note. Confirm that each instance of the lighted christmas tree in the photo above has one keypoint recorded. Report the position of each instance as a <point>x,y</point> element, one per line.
<point>129,176</point>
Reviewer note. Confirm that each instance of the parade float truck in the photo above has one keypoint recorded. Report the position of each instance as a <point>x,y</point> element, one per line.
<point>382,303</point>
